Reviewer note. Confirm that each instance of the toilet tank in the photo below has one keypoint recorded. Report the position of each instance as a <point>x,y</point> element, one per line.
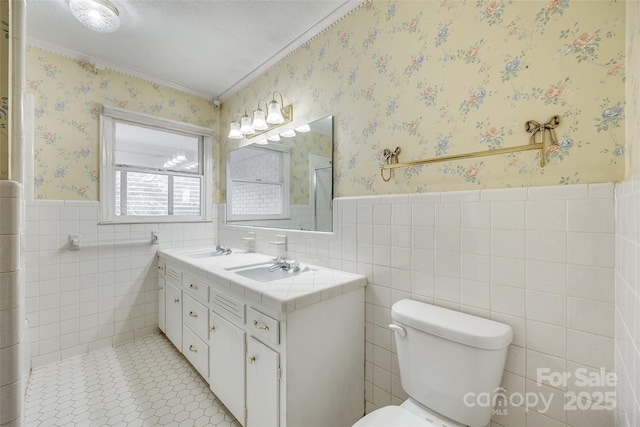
<point>448,358</point>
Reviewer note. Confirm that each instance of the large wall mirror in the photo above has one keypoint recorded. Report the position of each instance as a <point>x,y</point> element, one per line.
<point>285,183</point>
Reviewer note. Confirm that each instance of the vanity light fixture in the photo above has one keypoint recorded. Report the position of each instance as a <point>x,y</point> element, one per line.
<point>97,15</point>
<point>274,138</point>
<point>262,142</point>
<point>234,131</point>
<point>254,122</point>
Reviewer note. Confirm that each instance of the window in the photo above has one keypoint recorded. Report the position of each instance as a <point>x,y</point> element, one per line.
<point>153,169</point>
<point>258,178</point>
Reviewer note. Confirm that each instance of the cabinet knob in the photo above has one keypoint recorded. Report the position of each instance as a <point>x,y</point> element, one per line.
<point>176,300</point>
<point>259,326</point>
<point>161,287</point>
<point>159,268</point>
<point>192,286</point>
<point>192,314</point>
<point>192,348</point>
<point>251,360</point>
<point>212,328</point>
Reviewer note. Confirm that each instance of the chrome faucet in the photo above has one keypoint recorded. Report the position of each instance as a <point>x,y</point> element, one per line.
<point>224,250</point>
<point>283,264</point>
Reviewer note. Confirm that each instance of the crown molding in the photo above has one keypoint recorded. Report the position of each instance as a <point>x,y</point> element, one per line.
<point>102,65</point>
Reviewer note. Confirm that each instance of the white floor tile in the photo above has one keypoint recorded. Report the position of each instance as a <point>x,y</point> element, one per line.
<point>142,383</point>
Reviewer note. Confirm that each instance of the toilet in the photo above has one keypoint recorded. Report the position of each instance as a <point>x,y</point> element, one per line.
<point>446,360</point>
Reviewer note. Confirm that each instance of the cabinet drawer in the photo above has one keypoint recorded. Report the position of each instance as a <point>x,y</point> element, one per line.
<point>195,288</point>
<point>196,351</point>
<point>172,275</point>
<point>161,268</point>
<point>228,307</point>
<point>195,316</point>
<point>263,326</point>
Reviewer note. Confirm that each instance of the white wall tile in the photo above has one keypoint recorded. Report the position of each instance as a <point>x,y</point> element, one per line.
<point>423,215</point>
<point>448,215</point>
<point>547,246</point>
<point>508,300</point>
<point>591,216</point>
<point>546,338</point>
<point>510,215</point>
<point>548,215</point>
<point>508,243</point>
<point>590,316</point>
<point>547,307</point>
<point>508,271</point>
<point>590,349</point>
<point>475,241</point>
<point>475,215</point>
<point>591,249</point>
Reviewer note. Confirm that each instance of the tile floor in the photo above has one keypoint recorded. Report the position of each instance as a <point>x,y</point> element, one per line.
<point>143,383</point>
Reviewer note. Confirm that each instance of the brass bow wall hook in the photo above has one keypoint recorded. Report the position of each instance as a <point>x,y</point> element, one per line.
<point>534,128</point>
<point>390,157</point>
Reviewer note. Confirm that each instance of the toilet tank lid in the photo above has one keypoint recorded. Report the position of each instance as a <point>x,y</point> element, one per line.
<point>453,325</point>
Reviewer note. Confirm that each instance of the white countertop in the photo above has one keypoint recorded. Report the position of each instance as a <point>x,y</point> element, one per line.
<point>285,295</point>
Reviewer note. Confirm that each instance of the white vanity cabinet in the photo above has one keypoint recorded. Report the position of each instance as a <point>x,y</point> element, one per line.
<point>273,362</point>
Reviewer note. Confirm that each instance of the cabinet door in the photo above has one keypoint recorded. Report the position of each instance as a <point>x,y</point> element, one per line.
<point>226,364</point>
<point>161,304</point>
<point>173,317</point>
<point>263,385</point>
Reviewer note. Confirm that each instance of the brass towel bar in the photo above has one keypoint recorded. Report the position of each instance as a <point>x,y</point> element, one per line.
<point>533,127</point>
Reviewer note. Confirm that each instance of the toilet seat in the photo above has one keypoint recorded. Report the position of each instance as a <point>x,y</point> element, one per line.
<point>392,416</point>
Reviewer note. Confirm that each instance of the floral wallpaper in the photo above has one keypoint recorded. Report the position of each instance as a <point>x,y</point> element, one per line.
<point>450,77</point>
<point>68,94</point>
<point>5,61</point>
<point>633,87</point>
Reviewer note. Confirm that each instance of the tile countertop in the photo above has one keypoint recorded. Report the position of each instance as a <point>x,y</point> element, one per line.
<point>285,295</point>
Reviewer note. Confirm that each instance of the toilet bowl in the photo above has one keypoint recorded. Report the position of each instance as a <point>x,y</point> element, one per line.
<point>443,355</point>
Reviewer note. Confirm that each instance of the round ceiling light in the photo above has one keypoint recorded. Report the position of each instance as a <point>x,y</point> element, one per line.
<point>98,15</point>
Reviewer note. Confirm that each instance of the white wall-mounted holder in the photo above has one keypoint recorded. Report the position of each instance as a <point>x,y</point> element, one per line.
<point>155,239</point>
<point>74,242</point>
<point>281,243</point>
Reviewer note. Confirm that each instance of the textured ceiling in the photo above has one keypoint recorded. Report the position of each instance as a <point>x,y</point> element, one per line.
<point>212,47</point>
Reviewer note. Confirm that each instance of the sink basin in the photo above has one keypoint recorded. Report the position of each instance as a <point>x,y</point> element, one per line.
<point>261,273</point>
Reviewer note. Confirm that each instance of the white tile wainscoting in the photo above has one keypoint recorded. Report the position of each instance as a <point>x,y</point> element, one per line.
<point>627,310</point>
<point>101,295</point>
<point>15,360</point>
<point>540,259</point>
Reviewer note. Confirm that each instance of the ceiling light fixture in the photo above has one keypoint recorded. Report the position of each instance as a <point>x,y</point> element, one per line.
<point>97,15</point>
<point>255,123</point>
